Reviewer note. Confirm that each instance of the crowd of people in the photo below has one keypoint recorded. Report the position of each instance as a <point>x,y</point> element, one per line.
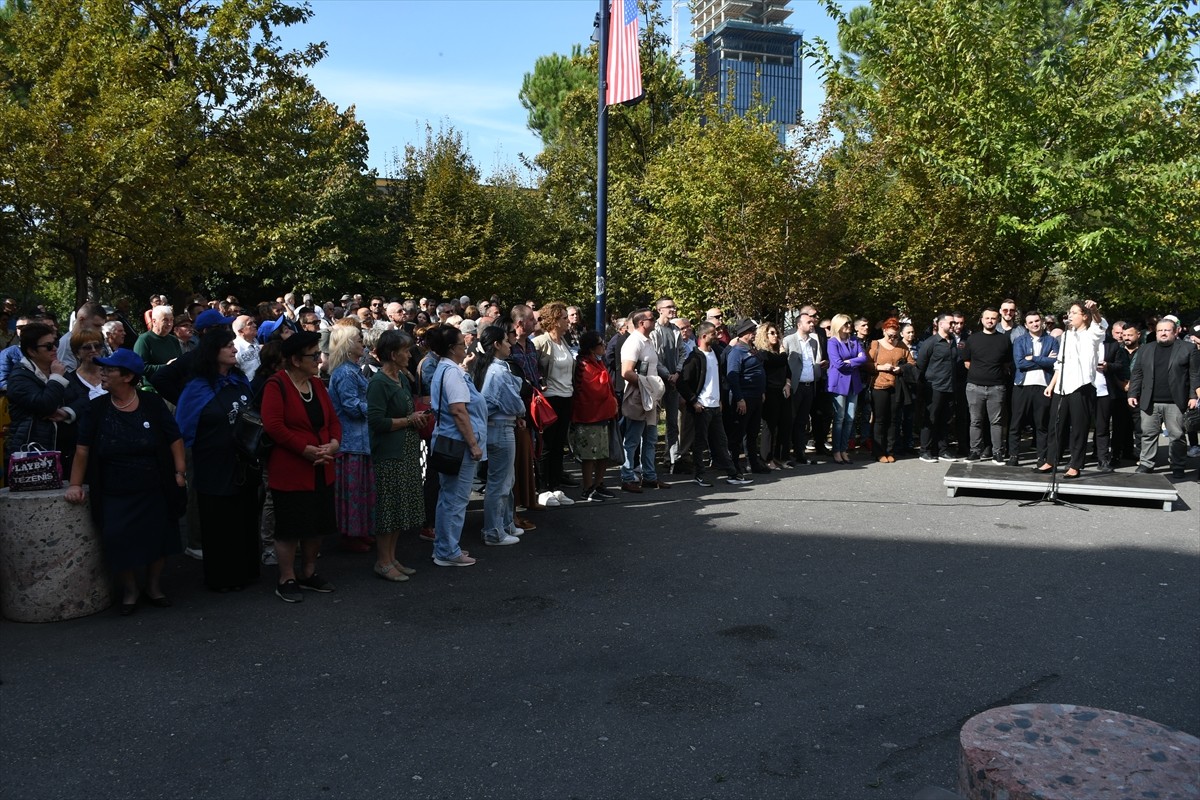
<point>380,419</point>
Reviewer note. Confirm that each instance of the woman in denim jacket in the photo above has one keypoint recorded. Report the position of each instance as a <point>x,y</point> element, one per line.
<point>355,479</point>
<point>501,390</point>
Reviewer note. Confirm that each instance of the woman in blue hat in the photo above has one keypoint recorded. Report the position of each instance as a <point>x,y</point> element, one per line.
<point>131,455</point>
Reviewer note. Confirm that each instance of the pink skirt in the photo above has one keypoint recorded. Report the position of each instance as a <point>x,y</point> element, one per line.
<point>354,489</point>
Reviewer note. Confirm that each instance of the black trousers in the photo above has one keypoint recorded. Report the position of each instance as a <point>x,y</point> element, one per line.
<point>1102,442</point>
<point>1122,443</point>
<point>1030,406</point>
<point>821,416</point>
<point>777,416</point>
<point>802,404</point>
<point>708,431</point>
<point>743,430</point>
<point>555,441</point>
<point>885,405</point>
<point>229,533</point>
<point>1076,409</point>
<point>938,407</point>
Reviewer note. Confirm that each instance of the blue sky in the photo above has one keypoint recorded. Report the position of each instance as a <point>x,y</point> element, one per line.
<point>403,63</point>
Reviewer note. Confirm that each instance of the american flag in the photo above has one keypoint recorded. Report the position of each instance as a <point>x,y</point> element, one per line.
<point>624,77</point>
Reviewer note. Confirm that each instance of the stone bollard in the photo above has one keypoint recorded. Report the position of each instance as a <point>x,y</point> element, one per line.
<point>51,564</point>
<point>1039,751</point>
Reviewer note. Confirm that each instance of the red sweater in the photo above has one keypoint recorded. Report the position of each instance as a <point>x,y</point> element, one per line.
<point>594,399</point>
<point>286,421</point>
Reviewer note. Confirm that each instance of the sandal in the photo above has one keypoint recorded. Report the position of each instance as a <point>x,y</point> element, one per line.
<point>390,573</point>
<point>403,569</point>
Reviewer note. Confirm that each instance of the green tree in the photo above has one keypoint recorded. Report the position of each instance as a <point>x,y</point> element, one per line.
<point>156,137</point>
<point>1030,148</point>
<point>544,90</point>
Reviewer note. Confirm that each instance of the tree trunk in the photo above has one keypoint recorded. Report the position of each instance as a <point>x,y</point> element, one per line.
<point>84,288</point>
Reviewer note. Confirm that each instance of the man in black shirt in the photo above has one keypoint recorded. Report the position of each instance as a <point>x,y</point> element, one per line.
<point>988,358</point>
<point>936,365</point>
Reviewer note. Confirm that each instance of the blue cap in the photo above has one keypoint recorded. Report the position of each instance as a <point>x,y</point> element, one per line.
<point>124,359</point>
<point>210,318</point>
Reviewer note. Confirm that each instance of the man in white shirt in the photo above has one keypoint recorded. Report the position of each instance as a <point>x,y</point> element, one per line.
<point>1034,354</point>
<point>702,387</point>
<point>639,360</point>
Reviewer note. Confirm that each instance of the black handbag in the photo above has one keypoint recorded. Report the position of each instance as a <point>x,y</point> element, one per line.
<point>446,454</point>
<point>252,442</point>
<point>1191,420</point>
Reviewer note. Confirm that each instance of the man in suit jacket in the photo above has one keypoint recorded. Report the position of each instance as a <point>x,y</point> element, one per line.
<point>1163,384</point>
<point>821,415</point>
<point>806,371</point>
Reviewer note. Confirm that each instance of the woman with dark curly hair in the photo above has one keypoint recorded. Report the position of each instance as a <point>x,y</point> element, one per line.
<point>226,484</point>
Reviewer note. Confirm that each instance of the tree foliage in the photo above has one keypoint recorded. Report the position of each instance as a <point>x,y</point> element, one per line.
<point>1032,147</point>
<point>166,137</point>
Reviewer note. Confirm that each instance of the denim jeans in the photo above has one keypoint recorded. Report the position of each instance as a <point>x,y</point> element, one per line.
<point>645,433</point>
<point>844,407</point>
<point>453,495</point>
<point>498,499</point>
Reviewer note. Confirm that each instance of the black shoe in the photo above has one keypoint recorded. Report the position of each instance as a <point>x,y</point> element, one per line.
<point>603,493</point>
<point>1069,477</point>
<point>1104,468</point>
<point>986,454</point>
<point>315,583</point>
<point>699,481</point>
<point>973,456</point>
<point>929,458</point>
<point>1143,470</point>
<point>760,470</point>
<point>1178,473</point>
<point>738,479</point>
<point>289,592</point>
<point>1012,462</point>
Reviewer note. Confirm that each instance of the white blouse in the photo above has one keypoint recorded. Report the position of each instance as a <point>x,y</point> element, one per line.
<point>1078,355</point>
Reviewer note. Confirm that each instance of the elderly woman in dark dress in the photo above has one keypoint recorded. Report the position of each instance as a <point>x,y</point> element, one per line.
<point>131,454</point>
<point>298,416</point>
<point>226,484</point>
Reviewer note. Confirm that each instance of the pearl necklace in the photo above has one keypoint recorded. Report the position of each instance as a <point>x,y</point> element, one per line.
<point>120,407</point>
<point>300,391</point>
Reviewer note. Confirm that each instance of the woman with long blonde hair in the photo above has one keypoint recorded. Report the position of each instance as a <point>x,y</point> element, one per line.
<point>354,487</point>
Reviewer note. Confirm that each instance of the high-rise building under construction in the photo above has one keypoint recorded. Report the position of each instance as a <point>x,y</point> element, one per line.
<point>750,53</point>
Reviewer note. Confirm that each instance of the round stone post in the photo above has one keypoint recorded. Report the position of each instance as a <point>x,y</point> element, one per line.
<point>51,564</point>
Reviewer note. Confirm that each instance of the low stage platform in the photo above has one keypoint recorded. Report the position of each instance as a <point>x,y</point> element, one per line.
<point>983,476</point>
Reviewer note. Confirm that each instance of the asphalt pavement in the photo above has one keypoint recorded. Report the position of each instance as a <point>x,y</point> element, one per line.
<point>823,633</point>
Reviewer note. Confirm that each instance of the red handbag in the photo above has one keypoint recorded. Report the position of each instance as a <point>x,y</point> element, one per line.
<point>425,431</point>
<point>541,413</point>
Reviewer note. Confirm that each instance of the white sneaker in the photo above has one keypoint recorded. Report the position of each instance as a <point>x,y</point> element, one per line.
<point>548,499</point>
<point>498,542</point>
<point>562,499</point>
<point>515,531</point>
<point>194,552</point>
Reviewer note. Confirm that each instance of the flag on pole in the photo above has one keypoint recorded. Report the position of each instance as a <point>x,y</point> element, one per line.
<point>624,77</point>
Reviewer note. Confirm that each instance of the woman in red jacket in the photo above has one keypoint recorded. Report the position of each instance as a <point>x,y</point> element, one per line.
<point>593,407</point>
<point>299,417</point>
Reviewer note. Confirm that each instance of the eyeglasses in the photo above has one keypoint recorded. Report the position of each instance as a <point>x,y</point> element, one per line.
<point>91,347</point>
<point>310,322</point>
<point>313,356</point>
<point>48,346</point>
<point>250,325</point>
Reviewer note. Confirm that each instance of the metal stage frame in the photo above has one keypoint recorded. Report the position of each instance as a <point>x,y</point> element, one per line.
<point>985,476</point>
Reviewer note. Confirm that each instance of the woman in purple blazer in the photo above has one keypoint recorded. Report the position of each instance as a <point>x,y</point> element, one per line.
<point>846,357</point>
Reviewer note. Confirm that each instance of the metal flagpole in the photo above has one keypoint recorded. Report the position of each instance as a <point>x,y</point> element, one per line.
<point>602,176</point>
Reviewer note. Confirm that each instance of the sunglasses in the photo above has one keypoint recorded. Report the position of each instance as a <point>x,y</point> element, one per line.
<point>48,346</point>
